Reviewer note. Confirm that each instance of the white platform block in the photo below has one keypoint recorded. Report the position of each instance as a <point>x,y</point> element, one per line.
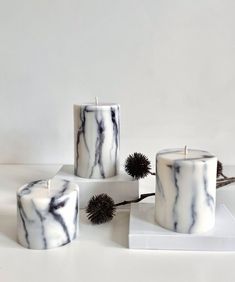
<point>144,233</point>
<point>121,187</point>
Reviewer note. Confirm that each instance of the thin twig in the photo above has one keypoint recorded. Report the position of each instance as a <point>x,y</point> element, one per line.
<point>225,182</point>
<point>223,175</point>
<point>142,196</point>
<point>220,180</point>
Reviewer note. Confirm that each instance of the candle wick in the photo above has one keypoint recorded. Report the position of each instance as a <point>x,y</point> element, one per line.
<point>96,101</point>
<point>185,151</point>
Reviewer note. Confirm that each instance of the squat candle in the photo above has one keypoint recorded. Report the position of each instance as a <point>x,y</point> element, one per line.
<point>185,190</point>
<point>96,140</point>
<point>47,213</point>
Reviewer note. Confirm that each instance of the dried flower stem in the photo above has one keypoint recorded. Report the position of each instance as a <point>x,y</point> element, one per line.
<point>219,180</point>
<point>142,196</point>
<point>224,181</point>
<point>221,184</point>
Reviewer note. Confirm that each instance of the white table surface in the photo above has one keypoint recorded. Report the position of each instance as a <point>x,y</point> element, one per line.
<point>101,252</point>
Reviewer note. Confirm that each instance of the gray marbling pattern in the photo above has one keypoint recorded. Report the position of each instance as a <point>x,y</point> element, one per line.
<point>185,191</point>
<point>47,219</point>
<point>96,140</point>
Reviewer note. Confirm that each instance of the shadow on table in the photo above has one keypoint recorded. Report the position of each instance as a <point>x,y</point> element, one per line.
<point>120,229</point>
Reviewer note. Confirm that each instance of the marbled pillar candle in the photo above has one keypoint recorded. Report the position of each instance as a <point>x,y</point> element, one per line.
<point>47,216</point>
<point>96,140</point>
<point>185,190</point>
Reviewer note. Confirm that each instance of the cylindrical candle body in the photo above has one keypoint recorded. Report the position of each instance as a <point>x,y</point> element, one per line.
<point>96,140</point>
<point>185,190</point>
<point>47,218</point>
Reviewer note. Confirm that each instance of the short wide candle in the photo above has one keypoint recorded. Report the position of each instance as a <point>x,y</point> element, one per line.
<point>96,140</point>
<point>185,190</point>
<point>47,213</point>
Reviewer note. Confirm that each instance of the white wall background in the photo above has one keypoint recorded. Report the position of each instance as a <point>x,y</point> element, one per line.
<point>170,64</point>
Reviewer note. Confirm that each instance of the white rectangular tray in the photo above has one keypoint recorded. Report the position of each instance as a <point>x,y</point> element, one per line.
<point>144,233</point>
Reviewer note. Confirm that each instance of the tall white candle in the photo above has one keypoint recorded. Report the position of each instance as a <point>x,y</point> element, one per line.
<point>47,218</point>
<point>185,190</point>
<point>96,140</point>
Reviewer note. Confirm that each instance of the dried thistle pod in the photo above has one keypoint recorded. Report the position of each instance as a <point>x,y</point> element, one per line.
<point>101,208</point>
<point>138,165</point>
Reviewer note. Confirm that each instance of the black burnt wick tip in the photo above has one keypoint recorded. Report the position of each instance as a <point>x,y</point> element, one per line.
<point>101,208</point>
<point>137,165</point>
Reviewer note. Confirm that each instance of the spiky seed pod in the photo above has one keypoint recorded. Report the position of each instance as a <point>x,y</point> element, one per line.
<point>219,169</point>
<point>137,165</point>
<point>101,208</point>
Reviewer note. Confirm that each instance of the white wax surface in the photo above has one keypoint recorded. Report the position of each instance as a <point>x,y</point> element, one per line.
<point>178,154</point>
<point>40,190</point>
<point>47,218</point>
<point>99,106</point>
<point>96,140</point>
<point>185,190</point>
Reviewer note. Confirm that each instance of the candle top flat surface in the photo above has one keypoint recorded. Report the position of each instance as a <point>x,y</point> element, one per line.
<point>39,189</point>
<point>98,106</point>
<point>179,154</point>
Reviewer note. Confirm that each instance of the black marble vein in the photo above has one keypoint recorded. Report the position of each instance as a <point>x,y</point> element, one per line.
<point>21,214</point>
<point>81,131</point>
<point>41,218</point>
<point>176,172</point>
<point>27,189</point>
<point>57,203</point>
<point>115,134</point>
<point>99,145</point>
<point>64,188</point>
<point>75,217</point>
<point>53,206</point>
